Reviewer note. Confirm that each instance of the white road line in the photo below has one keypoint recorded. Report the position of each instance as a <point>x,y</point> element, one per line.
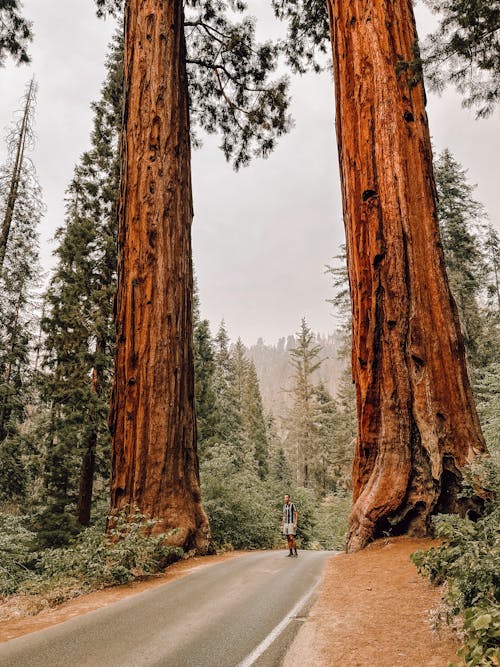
<point>274,634</point>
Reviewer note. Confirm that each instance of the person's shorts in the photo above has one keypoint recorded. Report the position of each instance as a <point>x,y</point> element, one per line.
<point>288,529</point>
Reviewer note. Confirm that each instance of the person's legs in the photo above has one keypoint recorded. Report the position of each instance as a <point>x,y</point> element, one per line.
<point>293,545</point>
<point>289,539</point>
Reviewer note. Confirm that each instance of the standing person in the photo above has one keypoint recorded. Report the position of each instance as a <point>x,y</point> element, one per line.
<point>289,524</point>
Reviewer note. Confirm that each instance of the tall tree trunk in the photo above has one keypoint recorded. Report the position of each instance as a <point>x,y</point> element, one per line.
<point>16,174</point>
<point>417,424</point>
<point>87,468</point>
<point>152,420</point>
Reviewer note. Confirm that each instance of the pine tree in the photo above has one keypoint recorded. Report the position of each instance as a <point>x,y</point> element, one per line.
<point>324,466</point>
<point>344,426</point>
<point>15,32</point>
<point>21,210</point>
<point>492,254</point>
<point>204,369</point>
<point>345,429</point>
<point>78,325</point>
<point>342,300</point>
<point>18,141</point>
<point>253,420</point>
<point>465,51</point>
<point>302,436</point>
<point>240,364</point>
<point>229,428</point>
<point>459,218</point>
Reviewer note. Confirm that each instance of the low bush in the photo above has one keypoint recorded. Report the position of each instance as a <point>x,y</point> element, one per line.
<point>16,552</point>
<point>469,562</point>
<point>333,521</point>
<point>245,511</point>
<point>240,510</point>
<point>92,561</point>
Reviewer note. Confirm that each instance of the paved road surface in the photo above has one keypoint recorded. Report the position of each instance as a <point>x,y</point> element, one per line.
<point>221,615</point>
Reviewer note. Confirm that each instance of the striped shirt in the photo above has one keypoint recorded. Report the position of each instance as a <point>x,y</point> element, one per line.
<point>289,513</point>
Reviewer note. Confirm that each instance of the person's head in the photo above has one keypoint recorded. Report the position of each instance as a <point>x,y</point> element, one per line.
<point>287,498</point>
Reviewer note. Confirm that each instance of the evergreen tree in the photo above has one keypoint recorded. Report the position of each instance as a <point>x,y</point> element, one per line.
<point>21,206</point>
<point>302,436</point>
<point>204,369</point>
<point>459,217</point>
<point>15,32</point>
<point>345,430</point>
<point>344,427</point>
<point>488,404</point>
<point>492,255</point>
<point>229,422</point>
<point>341,300</point>
<point>324,467</point>
<point>79,332</point>
<point>240,366</point>
<point>465,51</point>
<point>18,141</point>
<point>254,424</point>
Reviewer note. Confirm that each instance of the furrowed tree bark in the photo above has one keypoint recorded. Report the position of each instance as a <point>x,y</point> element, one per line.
<point>417,423</point>
<point>152,420</point>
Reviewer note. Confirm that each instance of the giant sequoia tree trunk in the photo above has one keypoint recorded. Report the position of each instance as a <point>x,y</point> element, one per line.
<point>417,424</point>
<point>153,426</point>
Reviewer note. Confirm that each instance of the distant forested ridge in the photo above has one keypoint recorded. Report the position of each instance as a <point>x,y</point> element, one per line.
<point>272,363</point>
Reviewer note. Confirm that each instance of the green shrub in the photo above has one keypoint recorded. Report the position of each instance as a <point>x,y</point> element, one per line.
<point>92,561</point>
<point>16,552</point>
<point>469,561</point>
<point>333,521</point>
<point>238,504</point>
<point>245,511</point>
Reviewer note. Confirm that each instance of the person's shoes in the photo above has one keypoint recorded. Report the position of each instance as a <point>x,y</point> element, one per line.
<point>289,555</point>
<point>296,554</point>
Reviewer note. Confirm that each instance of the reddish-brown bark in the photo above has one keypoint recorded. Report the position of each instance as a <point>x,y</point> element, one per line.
<point>417,424</point>
<point>153,426</point>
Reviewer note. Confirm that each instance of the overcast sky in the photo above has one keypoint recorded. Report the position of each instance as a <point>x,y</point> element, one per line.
<point>262,236</point>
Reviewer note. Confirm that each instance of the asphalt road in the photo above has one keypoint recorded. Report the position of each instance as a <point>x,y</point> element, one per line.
<point>243,611</point>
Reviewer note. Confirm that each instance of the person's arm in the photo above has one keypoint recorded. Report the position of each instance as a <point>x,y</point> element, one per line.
<point>282,520</point>
<point>295,518</point>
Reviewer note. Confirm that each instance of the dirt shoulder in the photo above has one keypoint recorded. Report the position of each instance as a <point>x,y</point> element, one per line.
<point>374,609</point>
<point>15,612</point>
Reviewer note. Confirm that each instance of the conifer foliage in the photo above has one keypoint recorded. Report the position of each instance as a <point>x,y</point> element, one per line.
<point>21,210</point>
<point>302,436</point>
<point>465,51</point>
<point>15,32</point>
<point>460,219</point>
<point>78,324</point>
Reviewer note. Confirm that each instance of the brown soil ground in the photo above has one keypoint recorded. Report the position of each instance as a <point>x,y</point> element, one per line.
<point>17,619</point>
<point>374,608</point>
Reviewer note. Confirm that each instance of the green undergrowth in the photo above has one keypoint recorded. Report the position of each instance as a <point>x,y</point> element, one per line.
<point>91,561</point>
<point>245,511</point>
<point>468,561</point>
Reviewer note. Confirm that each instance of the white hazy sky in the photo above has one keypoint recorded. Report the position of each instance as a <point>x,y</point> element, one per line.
<point>262,236</point>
